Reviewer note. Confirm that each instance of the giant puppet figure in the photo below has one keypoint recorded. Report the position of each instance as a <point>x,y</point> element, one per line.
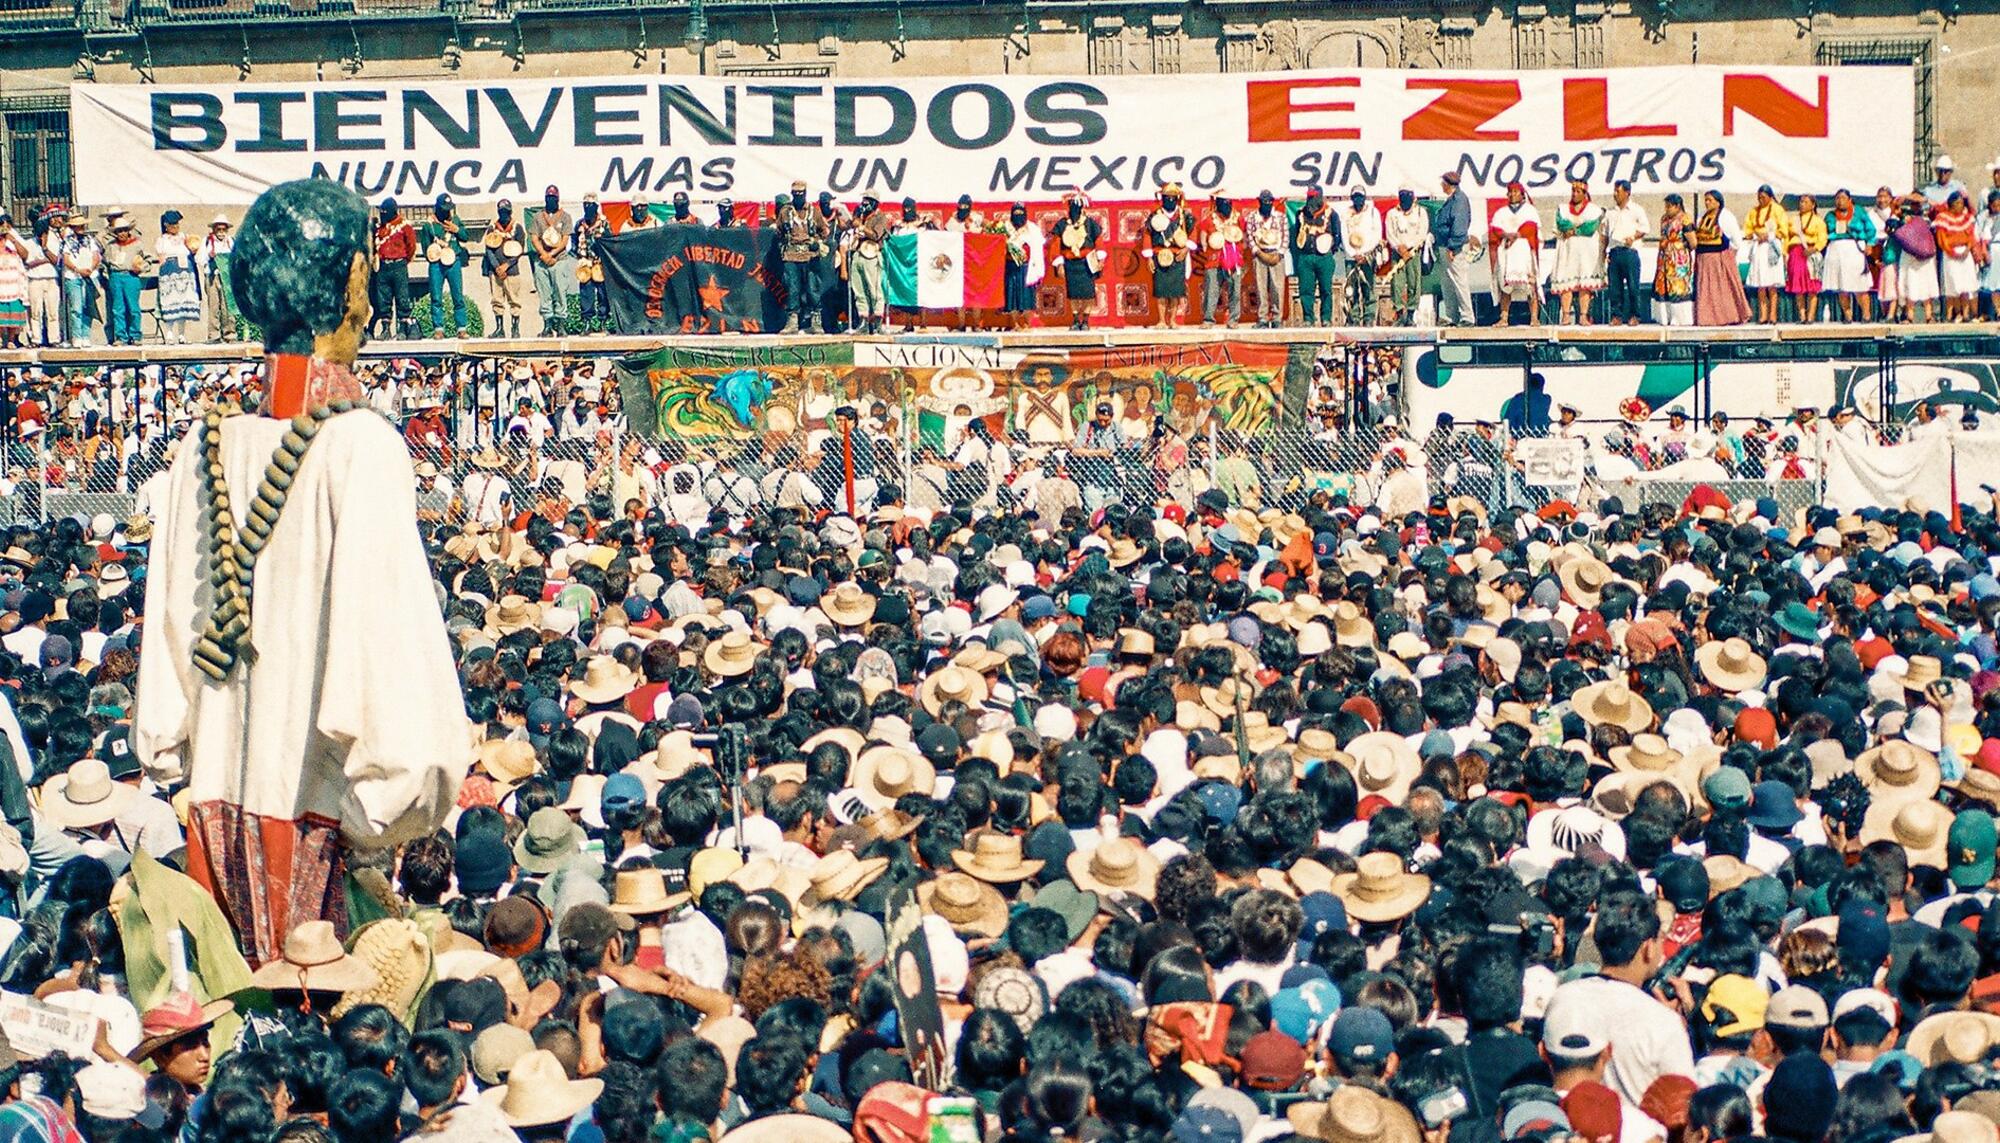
<point>295,674</point>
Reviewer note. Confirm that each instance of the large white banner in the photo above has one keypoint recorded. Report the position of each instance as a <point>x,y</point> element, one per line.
<point>1670,128</point>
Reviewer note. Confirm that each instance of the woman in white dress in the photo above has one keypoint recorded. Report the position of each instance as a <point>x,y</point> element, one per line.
<point>1989,235</point>
<point>1515,242</point>
<point>1916,262</point>
<point>1882,220</point>
<point>1767,232</point>
<point>1850,231</point>
<point>1579,269</point>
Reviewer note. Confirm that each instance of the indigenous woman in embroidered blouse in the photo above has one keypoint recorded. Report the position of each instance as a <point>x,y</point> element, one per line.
<point>1805,259</point>
<point>1958,264</point>
<point>1515,239</point>
<point>1767,231</point>
<point>1988,229</point>
<point>1673,270</point>
<point>1718,288</point>
<point>1579,270</point>
<point>1850,232</point>
<point>1915,244</point>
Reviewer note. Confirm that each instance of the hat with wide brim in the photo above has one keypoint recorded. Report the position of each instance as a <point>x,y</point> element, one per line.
<point>1584,580</point>
<point>848,605</point>
<point>968,904</point>
<point>884,773</point>
<point>314,961</point>
<point>551,838</point>
<point>605,680</point>
<point>1118,865</point>
<point>1380,889</point>
<point>399,951</point>
<point>952,684</point>
<point>1898,771</point>
<point>1383,764</point>
<point>167,1023</point>
<point>1612,702</point>
<point>732,655</point>
<point>642,892</point>
<point>1922,827</point>
<point>538,1092</point>
<point>85,796</point>
<point>513,613</point>
<point>841,876</point>
<point>1354,1114</point>
<point>1730,665</point>
<point>995,857</point>
<point>1954,1037</point>
<point>488,457</point>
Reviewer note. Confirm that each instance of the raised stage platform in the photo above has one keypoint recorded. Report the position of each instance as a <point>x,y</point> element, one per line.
<point>1542,342</point>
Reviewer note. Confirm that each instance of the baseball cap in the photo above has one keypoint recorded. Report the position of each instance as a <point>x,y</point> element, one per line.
<point>1796,1006</point>
<point>1743,998</point>
<point>1272,1061</point>
<point>622,792</point>
<point>1361,1035</point>
<point>1971,845</point>
<point>1299,1012</point>
<point>1572,1030</point>
<point>1206,1125</point>
<point>1881,1002</point>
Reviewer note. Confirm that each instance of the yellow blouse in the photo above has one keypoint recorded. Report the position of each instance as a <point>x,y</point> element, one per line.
<point>1773,218</point>
<point>1810,229</point>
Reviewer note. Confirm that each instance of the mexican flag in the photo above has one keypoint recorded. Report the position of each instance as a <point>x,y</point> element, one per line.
<point>944,270</point>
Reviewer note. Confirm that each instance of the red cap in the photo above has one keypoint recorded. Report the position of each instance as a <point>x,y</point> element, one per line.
<point>893,1112</point>
<point>1667,1101</point>
<point>1272,1061</point>
<point>1872,651</point>
<point>1755,725</point>
<point>1090,684</point>
<point>1593,1111</point>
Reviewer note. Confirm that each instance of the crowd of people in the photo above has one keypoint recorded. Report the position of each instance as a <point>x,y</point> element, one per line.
<point>1102,814</point>
<point>1916,257</point>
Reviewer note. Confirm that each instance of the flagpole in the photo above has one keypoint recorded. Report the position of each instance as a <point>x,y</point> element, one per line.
<point>847,459</point>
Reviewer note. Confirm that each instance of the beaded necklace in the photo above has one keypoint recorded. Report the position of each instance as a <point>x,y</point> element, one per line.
<point>233,550</point>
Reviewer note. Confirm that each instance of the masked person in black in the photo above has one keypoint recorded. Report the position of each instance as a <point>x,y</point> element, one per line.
<point>725,214</point>
<point>1081,259</point>
<point>594,303</point>
<point>1169,237</point>
<point>802,236</point>
<point>682,213</point>
<point>555,270</point>
<point>1266,229</point>
<point>832,299</point>
<point>506,245</point>
<point>1026,263</point>
<point>643,217</point>
<point>965,220</point>
<point>1315,241</point>
<point>862,251</point>
<point>445,252</point>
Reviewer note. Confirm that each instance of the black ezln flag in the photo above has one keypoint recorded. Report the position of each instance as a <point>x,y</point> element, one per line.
<point>694,279</point>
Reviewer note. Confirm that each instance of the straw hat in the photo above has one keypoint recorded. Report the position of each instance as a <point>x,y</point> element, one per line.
<point>489,457</point>
<point>1923,671</point>
<point>760,873</point>
<point>1731,665</point>
<point>604,680</point>
<point>732,655</point>
<point>1648,753</point>
<point>1384,764</point>
<point>1380,889</point>
<point>1118,865</point>
<point>845,736</point>
<point>174,1019</point>
<point>513,613</point>
<point>1354,1114</point>
<point>508,761</point>
<point>841,876</point>
<point>643,892</point>
<point>848,605</point>
<point>400,953</point>
<point>1920,827</point>
<point>1190,715</point>
<point>1124,552</point>
<point>1612,702</point>
<point>538,1092</point>
<point>1584,580</point>
<point>951,684</point>
<point>967,903</point>
<point>1954,1037</point>
<point>1316,744</point>
<point>85,796</point>
<point>1222,699</point>
<point>995,858</point>
<point>884,773</point>
<point>1351,627</point>
<point>1898,771</point>
<point>313,961</point>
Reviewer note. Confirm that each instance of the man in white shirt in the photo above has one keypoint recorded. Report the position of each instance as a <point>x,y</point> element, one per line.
<point>1648,1039</point>
<point>1361,239</point>
<point>1625,223</point>
<point>1406,229</point>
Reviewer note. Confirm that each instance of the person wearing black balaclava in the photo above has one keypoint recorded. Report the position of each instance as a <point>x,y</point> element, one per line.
<point>803,235</point>
<point>863,263</point>
<point>832,282</point>
<point>683,214</point>
<point>1266,228</point>
<point>444,248</point>
<point>1026,264</point>
<point>1405,229</point>
<point>1169,237</point>
<point>644,217</point>
<point>555,268</point>
<point>1220,237</point>
<point>1080,258</point>
<point>395,245</point>
<point>910,219</point>
<point>725,214</point>
<point>965,220</point>
<point>506,244</point>
<point>1315,244</point>
<point>595,313</point>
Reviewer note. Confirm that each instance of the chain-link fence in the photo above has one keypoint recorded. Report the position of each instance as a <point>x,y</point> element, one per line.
<point>495,435</point>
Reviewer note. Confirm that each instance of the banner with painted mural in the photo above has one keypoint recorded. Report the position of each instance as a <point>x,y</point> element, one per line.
<point>928,389</point>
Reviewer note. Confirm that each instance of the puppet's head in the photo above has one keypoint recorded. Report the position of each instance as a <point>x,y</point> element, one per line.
<point>300,269</point>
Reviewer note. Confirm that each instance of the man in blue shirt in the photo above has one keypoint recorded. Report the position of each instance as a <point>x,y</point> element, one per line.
<point>1527,412</point>
<point>1450,230</point>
